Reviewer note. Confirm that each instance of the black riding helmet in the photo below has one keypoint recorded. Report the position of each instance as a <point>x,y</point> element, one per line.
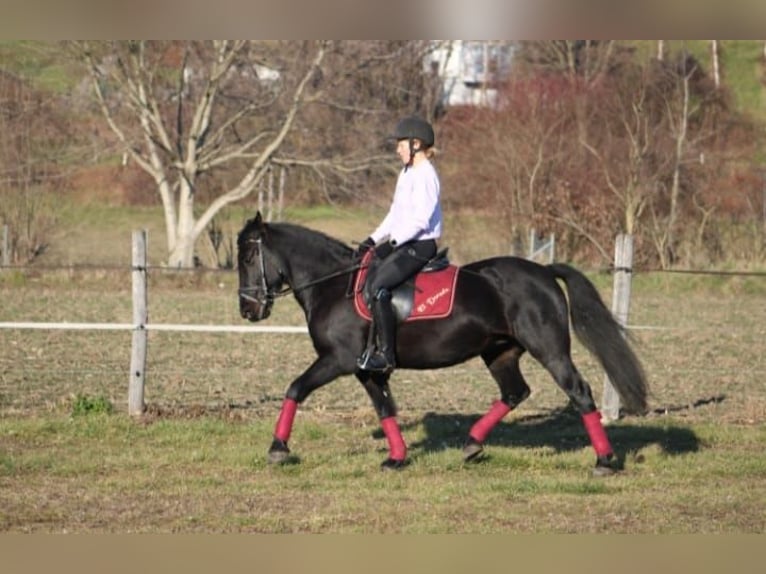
<point>412,128</point>
<point>415,127</point>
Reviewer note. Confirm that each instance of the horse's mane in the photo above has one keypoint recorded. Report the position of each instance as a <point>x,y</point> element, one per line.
<point>310,237</point>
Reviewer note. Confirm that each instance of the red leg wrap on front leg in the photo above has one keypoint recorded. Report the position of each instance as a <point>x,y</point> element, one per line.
<point>285,421</point>
<point>485,424</point>
<point>396,446</point>
<point>598,438</point>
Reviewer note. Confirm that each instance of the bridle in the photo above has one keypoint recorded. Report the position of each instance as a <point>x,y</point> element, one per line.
<point>265,295</point>
<point>262,294</point>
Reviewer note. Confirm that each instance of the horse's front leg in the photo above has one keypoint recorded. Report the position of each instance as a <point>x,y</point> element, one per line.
<point>324,370</point>
<point>376,386</point>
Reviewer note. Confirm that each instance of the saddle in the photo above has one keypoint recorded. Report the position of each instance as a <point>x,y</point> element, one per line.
<point>429,295</point>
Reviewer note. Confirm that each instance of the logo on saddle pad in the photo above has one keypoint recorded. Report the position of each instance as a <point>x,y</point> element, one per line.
<point>429,296</point>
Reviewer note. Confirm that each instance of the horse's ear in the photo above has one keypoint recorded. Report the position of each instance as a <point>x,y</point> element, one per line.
<point>258,220</point>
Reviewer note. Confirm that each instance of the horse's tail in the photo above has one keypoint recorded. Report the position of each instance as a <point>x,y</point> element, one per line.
<point>597,329</point>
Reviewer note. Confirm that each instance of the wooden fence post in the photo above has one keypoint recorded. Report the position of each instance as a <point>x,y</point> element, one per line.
<point>623,273</point>
<point>6,247</point>
<point>136,404</point>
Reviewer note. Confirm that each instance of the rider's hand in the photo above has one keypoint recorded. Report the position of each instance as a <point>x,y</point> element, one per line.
<point>363,247</point>
<point>385,249</point>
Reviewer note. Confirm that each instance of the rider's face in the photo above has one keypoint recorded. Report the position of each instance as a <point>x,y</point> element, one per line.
<point>403,150</point>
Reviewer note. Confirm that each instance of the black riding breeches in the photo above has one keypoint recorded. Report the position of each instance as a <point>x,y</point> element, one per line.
<point>401,264</point>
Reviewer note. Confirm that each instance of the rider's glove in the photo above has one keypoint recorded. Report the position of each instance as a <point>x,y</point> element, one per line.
<point>363,247</point>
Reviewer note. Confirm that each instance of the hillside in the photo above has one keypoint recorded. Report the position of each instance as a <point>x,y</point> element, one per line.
<point>96,201</point>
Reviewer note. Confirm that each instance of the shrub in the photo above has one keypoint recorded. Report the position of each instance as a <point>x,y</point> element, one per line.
<point>86,405</point>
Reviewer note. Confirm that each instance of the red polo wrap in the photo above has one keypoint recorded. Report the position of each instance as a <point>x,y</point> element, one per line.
<point>285,421</point>
<point>485,424</point>
<point>592,422</point>
<point>396,446</point>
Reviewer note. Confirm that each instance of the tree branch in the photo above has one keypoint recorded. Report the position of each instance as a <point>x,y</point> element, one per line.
<point>260,165</point>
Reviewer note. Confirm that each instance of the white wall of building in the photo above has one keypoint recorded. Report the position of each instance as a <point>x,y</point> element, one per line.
<point>470,69</point>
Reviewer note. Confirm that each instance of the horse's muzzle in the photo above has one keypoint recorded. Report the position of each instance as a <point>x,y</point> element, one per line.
<point>253,311</point>
<point>253,308</point>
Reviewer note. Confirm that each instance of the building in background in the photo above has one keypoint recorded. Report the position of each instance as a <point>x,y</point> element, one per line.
<point>470,71</point>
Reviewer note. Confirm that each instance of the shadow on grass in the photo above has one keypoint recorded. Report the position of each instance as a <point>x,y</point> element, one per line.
<point>560,429</point>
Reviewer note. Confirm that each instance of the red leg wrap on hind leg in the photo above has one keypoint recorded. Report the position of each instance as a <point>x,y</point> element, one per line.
<point>592,422</point>
<point>285,421</point>
<point>485,424</point>
<point>396,446</point>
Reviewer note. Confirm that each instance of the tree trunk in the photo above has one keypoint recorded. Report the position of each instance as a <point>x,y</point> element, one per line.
<point>714,48</point>
<point>675,189</point>
<point>182,251</point>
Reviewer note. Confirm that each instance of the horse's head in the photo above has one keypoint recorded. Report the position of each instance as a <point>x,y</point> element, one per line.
<point>260,276</point>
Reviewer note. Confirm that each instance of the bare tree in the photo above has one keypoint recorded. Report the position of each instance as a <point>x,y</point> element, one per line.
<point>679,110</point>
<point>212,119</point>
<point>627,133</point>
<point>32,146</point>
<point>715,50</point>
<point>182,110</point>
<point>581,60</point>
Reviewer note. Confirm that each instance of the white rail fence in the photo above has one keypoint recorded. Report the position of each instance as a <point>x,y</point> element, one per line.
<point>141,325</point>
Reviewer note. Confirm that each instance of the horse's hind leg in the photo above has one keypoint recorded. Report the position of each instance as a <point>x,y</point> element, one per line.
<point>577,388</point>
<point>551,345</point>
<point>376,385</point>
<point>503,364</point>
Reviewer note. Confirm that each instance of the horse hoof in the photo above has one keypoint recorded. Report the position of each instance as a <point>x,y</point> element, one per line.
<point>601,471</point>
<point>604,467</point>
<point>392,464</point>
<point>278,456</point>
<point>278,452</point>
<point>472,450</point>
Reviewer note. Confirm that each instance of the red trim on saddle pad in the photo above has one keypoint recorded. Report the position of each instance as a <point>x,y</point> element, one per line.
<point>433,298</point>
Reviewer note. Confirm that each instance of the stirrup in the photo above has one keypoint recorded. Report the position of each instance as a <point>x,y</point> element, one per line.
<point>374,361</point>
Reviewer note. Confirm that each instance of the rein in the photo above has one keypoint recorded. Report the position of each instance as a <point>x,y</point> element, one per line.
<point>322,279</point>
<point>270,295</point>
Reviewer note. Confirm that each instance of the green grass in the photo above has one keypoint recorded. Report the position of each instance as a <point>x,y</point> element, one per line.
<point>744,74</point>
<point>39,62</point>
<point>87,405</point>
<point>197,461</point>
<point>108,473</point>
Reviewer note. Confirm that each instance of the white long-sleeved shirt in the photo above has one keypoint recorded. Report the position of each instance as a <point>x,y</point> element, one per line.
<point>415,211</point>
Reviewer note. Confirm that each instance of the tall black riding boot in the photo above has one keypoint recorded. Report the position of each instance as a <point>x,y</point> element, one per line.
<point>382,359</point>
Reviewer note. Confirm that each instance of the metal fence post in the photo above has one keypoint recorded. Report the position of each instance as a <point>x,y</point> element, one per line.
<point>136,404</point>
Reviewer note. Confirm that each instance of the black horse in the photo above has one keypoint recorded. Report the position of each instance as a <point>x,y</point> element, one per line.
<point>503,307</point>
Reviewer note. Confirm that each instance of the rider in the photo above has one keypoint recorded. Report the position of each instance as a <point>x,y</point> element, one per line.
<point>406,238</point>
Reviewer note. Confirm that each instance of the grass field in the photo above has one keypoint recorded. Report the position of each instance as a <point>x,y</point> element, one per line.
<point>196,461</point>
<point>71,460</point>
